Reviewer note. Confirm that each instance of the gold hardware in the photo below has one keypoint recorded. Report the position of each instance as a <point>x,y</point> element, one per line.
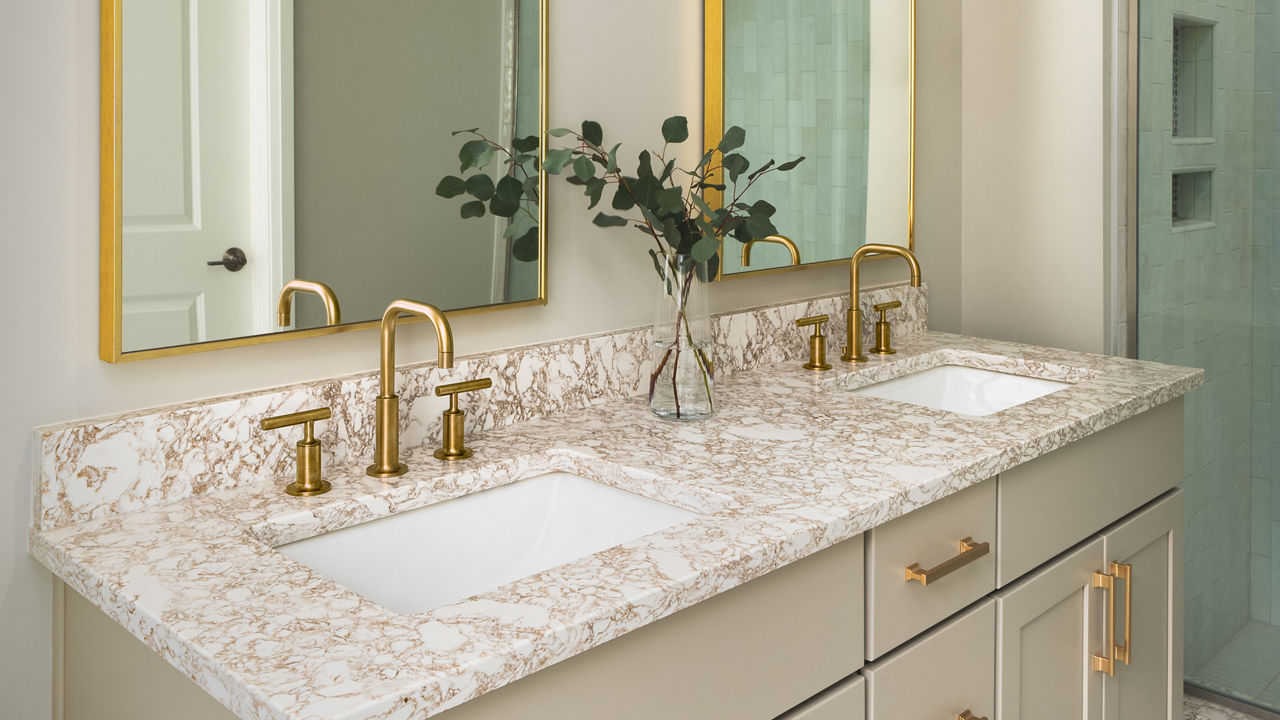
<point>883,346</point>
<point>817,343</point>
<point>779,239</point>
<point>454,443</point>
<point>969,551</point>
<point>110,240</point>
<point>1107,581</point>
<point>853,347</point>
<point>332,311</point>
<point>713,123</point>
<point>386,452</point>
<point>309,481</point>
<point>967,715</point>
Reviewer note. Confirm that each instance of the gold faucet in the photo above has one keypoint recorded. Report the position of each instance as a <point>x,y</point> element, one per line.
<point>332,311</point>
<point>779,239</point>
<point>853,344</point>
<point>386,451</point>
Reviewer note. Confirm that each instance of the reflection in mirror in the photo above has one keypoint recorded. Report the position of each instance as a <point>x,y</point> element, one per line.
<point>831,81</point>
<point>309,136</point>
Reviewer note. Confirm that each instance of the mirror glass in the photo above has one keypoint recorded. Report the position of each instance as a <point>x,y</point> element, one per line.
<point>830,80</point>
<point>305,140</point>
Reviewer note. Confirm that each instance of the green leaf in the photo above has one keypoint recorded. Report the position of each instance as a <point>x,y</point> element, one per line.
<point>559,132</point>
<point>670,201</point>
<point>603,220</point>
<point>675,129</point>
<point>530,187</point>
<point>472,131</point>
<point>705,249</point>
<point>702,205</point>
<point>451,186</point>
<point>592,132</point>
<point>733,139</point>
<point>525,248</point>
<point>644,164</point>
<point>759,226</point>
<point>762,169</point>
<point>595,190</point>
<point>666,171</point>
<point>710,186</point>
<point>473,209</point>
<point>584,168</point>
<point>657,264</point>
<point>622,199</point>
<point>557,159</point>
<point>506,198</point>
<point>741,233</point>
<point>525,144</point>
<point>790,165</point>
<point>651,217</point>
<point>613,159</point>
<point>475,154</point>
<point>735,165</point>
<point>761,207</point>
<point>480,186</point>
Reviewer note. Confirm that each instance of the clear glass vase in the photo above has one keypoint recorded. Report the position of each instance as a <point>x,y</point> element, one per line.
<point>682,383</point>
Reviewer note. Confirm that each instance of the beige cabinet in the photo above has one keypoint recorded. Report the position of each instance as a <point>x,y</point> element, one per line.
<point>846,700</point>
<point>1114,599</point>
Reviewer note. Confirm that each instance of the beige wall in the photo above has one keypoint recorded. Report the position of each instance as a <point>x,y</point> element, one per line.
<point>599,280</point>
<point>1033,140</point>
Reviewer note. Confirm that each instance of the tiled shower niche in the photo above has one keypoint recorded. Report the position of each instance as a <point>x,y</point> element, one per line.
<point>1192,198</point>
<point>1192,78</point>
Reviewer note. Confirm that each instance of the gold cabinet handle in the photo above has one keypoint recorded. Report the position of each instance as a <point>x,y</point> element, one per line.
<point>966,715</point>
<point>969,551</point>
<point>1107,581</point>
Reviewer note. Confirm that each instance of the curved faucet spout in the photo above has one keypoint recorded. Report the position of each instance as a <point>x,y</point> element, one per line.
<point>386,451</point>
<point>284,305</point>
<point>853,343</point>
<point>782,240</point>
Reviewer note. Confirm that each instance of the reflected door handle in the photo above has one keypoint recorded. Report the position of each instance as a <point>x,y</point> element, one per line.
<point>233,259</point>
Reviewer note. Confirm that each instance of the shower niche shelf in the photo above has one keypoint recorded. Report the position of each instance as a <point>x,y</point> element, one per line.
<point>1192,80</point>
<point>1192,200</point>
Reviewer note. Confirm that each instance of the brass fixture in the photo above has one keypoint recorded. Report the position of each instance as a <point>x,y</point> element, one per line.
<point>969,551</point>
<point>853,346</point>
<point>332,311</point>
<point>309,481</point>
<point>968,715</point>
<point>453,444</point>
<point>1107,581</point>
<point>817,343</point>
<point>883,346</point>
<point>386,450</point>
<point>782,240</point>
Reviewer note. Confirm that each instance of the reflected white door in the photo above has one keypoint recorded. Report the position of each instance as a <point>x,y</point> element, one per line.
<point>188,173</point>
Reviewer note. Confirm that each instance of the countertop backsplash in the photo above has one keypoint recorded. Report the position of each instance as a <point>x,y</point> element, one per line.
<point>94,468</point>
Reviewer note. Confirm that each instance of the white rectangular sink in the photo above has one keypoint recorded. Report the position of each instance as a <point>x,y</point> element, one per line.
<point>963,390</point>
<point>442,553</point>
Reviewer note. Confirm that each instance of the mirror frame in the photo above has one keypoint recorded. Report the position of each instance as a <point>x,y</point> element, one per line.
<point>110,273</point>
<point>713,127</point>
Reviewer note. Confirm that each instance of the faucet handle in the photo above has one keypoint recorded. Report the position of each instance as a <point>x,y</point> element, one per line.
<point>883,345</point>
<point>309,481</point>
<point>817,343</point>
<point>454,440</point>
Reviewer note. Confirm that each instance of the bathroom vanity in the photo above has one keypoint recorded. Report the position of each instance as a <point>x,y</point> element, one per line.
<point>843,555</point>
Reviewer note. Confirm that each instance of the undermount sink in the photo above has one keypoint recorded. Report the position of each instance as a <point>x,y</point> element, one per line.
<point>436,555</point>
<point>963,390</point>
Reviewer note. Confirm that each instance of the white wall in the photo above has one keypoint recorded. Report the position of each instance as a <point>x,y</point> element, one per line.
<point>1034,144</point>
<point>599,280</point>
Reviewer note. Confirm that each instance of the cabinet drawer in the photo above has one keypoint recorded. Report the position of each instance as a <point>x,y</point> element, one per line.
<point>899,609</point>
<point>846,700</point>
<point>946,671</point>
<point>1055,501</point>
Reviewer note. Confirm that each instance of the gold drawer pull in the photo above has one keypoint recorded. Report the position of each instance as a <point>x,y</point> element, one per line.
<point>969,551</point>
<point>1107,581</point>
<point>966,715</point>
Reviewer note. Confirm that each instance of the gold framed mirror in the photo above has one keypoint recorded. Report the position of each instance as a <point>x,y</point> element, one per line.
<point>839,90</point>
<point>247,143</point>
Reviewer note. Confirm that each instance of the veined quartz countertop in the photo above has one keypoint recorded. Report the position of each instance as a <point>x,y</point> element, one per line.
<point>790,464</point>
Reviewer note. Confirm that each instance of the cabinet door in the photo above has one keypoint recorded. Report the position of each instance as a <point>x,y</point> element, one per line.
<point>846,700</point>
<point>1048,626</point>
<point>1149,686</point>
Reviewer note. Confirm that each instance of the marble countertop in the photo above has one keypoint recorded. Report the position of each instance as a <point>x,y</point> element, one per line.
<point>789,465</point>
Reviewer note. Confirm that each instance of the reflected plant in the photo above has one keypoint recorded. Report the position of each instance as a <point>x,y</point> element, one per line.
<point>657,198</point>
